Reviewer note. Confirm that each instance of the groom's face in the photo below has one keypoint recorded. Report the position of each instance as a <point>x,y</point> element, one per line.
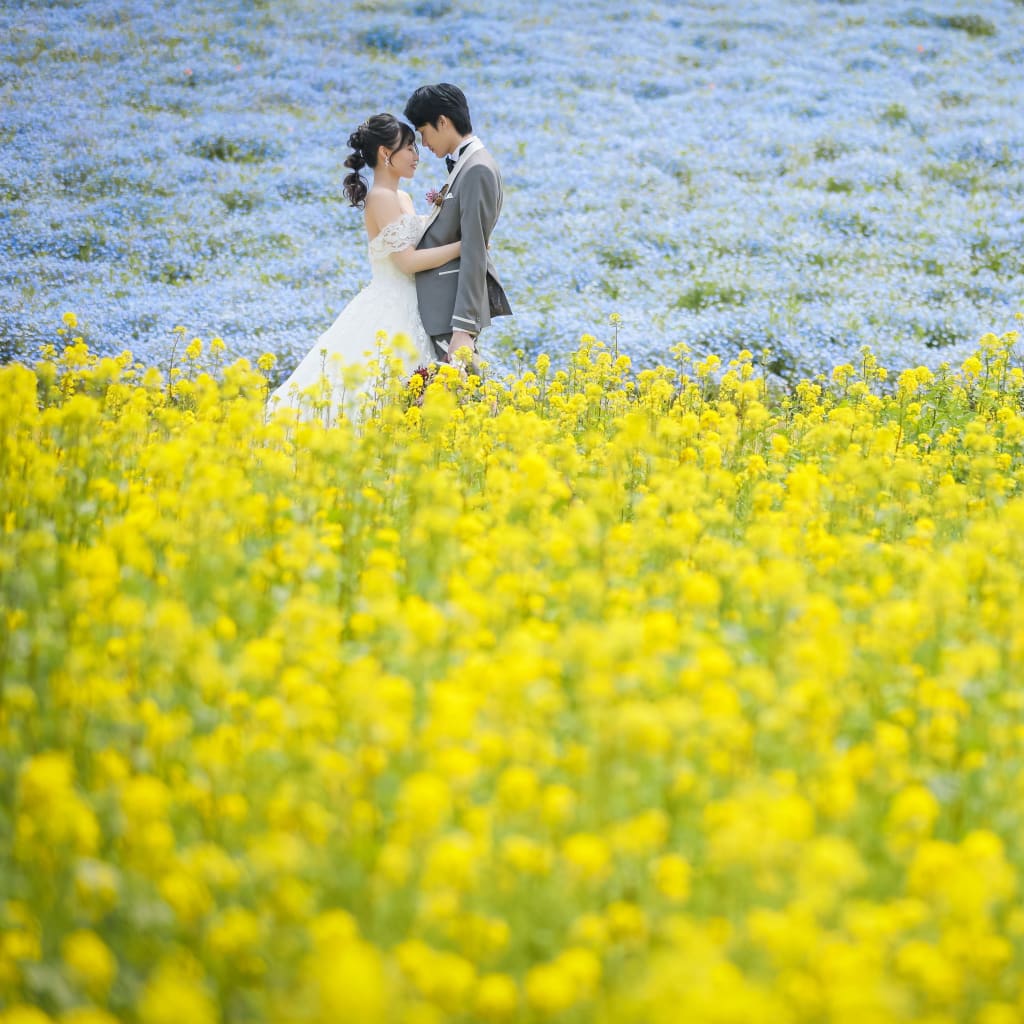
<point>436,138</point>
<point>428,136</point>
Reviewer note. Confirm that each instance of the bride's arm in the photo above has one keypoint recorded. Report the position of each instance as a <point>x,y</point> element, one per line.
<point>413,260</point>
<point>385,209</point>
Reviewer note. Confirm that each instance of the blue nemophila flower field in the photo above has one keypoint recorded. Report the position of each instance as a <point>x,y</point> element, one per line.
<point>808,175</point>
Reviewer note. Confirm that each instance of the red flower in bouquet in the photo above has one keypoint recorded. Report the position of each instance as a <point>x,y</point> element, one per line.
<point>418,381</point>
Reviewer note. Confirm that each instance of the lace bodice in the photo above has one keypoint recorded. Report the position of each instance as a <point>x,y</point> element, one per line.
<point>398,235</point>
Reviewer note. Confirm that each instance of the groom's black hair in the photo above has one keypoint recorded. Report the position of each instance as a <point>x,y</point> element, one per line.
<point>429,102</point>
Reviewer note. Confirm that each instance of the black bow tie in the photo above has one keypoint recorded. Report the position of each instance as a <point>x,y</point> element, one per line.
<point>451,161</point>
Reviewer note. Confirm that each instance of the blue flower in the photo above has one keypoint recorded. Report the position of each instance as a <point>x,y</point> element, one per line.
<point>820,177</point>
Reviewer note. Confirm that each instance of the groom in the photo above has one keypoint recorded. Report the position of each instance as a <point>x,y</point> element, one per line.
<point>457,300</point>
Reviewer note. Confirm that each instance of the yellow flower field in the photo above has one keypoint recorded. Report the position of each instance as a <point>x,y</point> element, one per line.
<point>579,696</point>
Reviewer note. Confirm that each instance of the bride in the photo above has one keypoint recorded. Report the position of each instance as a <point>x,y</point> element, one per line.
<point>335,372</point>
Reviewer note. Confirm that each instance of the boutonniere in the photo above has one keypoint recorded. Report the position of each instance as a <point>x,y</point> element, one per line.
<point>436,198</point>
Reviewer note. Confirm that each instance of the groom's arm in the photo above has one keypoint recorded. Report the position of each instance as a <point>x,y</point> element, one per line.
<point>478,210</point>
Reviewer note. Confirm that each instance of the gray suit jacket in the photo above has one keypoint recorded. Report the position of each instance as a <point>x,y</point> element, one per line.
<point>465,293</point>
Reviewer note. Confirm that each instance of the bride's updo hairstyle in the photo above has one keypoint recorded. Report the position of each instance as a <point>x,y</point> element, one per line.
<point>380,130</point>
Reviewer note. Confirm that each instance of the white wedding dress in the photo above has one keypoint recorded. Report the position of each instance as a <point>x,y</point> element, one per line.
<point>341,366</point>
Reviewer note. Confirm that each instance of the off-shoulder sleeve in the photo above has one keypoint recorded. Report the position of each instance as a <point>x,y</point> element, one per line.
<point>399,234</point>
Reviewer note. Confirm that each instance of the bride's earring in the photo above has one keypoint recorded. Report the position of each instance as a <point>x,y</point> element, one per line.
<point>387,161</point>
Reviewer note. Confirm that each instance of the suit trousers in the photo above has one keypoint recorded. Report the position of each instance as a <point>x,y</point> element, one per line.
<point>440,343</point>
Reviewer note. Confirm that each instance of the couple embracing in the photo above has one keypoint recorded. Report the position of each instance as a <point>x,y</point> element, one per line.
<point>432,275</point>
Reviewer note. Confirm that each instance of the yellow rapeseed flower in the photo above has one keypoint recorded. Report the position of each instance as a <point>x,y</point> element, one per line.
<point>587,856</point>
<point>176,992</point>
<point>639,696</point>
<point>551,989</point>
<point>496,998</point>
<point>90,962</point>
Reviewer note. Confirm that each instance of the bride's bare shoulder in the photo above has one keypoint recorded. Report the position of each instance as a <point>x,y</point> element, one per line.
<point>383,199</point>
<point>405,200</point>
<point>382,206</point>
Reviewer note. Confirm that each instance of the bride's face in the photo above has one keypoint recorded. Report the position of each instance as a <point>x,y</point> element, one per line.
<point>405,160</point>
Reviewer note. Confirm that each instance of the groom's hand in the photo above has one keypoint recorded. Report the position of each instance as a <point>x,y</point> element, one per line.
<point>459,340</point>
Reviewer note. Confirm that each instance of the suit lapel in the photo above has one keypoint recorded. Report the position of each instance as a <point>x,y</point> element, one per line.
<point>474,147</point>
